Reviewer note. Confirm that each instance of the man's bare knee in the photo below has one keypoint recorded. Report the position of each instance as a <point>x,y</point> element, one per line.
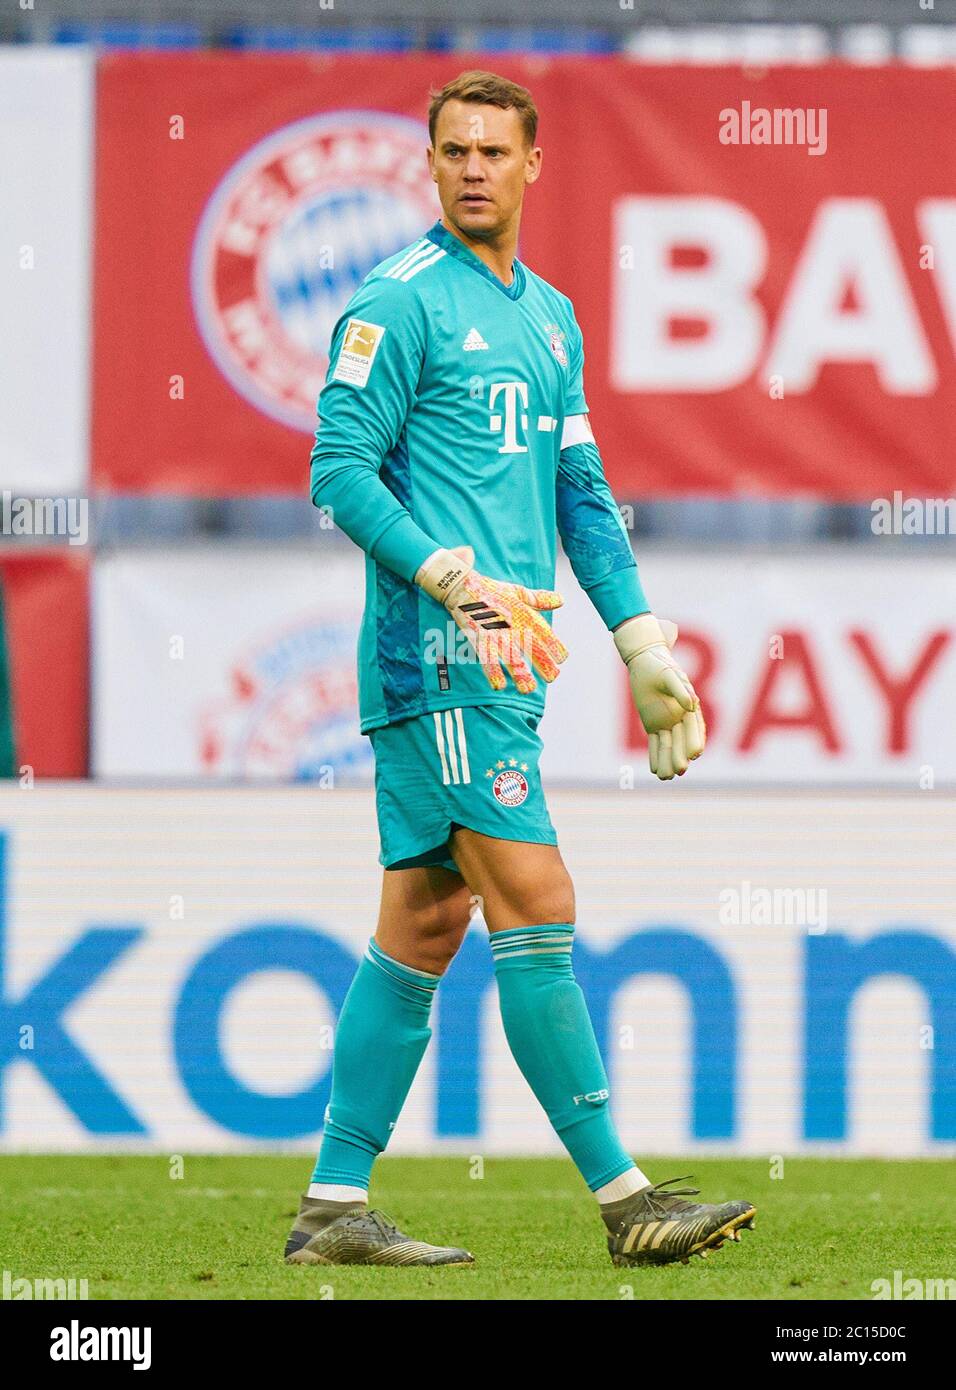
<point>536,904</point>
<point>520,883</point>
<point>542,910</point>
<point>438,935</point>
<point>423,918</point>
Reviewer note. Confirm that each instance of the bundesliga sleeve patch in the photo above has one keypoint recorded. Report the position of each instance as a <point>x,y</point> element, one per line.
<point>357,353</point>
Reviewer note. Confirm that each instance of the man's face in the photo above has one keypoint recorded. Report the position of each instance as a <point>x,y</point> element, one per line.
<point>482,165</point>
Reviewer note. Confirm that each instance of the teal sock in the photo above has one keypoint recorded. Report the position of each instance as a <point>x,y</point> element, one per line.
<point>381,1036</point>
<point>549,1032</point>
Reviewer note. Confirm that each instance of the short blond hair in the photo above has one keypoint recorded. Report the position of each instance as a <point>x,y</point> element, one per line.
<point>486,89</point>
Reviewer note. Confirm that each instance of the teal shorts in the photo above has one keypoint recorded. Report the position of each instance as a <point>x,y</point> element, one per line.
<point>474,767</point>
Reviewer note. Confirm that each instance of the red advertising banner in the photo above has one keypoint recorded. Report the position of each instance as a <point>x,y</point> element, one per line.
<point>44,698</point>
<point>763,263</point>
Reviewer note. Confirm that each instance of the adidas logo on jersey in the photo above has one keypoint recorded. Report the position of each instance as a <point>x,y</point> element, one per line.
<point>474,342</point>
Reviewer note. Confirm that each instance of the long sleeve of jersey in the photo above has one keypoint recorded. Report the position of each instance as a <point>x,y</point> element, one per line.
<point>375,362</point>
<point>594,537</point>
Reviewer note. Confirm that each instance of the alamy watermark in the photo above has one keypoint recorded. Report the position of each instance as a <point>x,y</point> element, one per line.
<point>81,1343</point>
<point>13,1288</point>
<point>913,516</point>
<point>452,646</point>
<point>749,905</point>
<point>67,517</point>
<point>899,1287</point>
<point>778,125</point>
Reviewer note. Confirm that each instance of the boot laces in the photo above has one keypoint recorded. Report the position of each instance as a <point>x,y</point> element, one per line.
<point>661,1202</point>
<point>378,1219</point>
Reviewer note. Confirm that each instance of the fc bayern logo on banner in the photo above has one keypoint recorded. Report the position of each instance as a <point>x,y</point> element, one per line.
<point>289,234</point>
<point>290,709</point>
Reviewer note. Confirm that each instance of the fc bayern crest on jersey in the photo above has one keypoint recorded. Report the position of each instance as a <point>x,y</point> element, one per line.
<point>291,231</point>
<point>556,343</point>
<point>510,787</point>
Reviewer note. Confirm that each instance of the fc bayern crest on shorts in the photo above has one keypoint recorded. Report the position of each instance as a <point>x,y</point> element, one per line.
<point>289,234</point>
<point>510,787</point>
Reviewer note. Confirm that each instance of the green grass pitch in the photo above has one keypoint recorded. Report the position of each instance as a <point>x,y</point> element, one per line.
<point>826,1229</point>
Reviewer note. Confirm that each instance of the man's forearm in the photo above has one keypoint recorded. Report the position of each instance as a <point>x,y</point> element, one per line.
<point>594,538</point>
<point>619,597</point>
<point>370,514</point>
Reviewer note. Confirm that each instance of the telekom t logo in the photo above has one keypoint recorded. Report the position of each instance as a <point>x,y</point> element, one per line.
<point>512,391</point>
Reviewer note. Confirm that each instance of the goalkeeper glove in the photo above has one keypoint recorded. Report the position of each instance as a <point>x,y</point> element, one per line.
<point>502,621</point>
<point>663,696</point>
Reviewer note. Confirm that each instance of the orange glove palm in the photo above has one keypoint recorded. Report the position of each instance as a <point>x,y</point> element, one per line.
<point>501,620</point>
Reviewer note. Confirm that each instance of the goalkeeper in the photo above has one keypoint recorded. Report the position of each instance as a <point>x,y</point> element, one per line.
<point>453,447</point>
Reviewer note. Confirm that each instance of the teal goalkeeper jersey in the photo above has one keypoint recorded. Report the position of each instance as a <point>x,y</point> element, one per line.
<point>454,390</point>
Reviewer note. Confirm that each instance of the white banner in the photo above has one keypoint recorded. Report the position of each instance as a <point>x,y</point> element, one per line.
<point>173,961</point>
<point>237,663</point>
<point>46,115</point>
<point>817,666</point>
